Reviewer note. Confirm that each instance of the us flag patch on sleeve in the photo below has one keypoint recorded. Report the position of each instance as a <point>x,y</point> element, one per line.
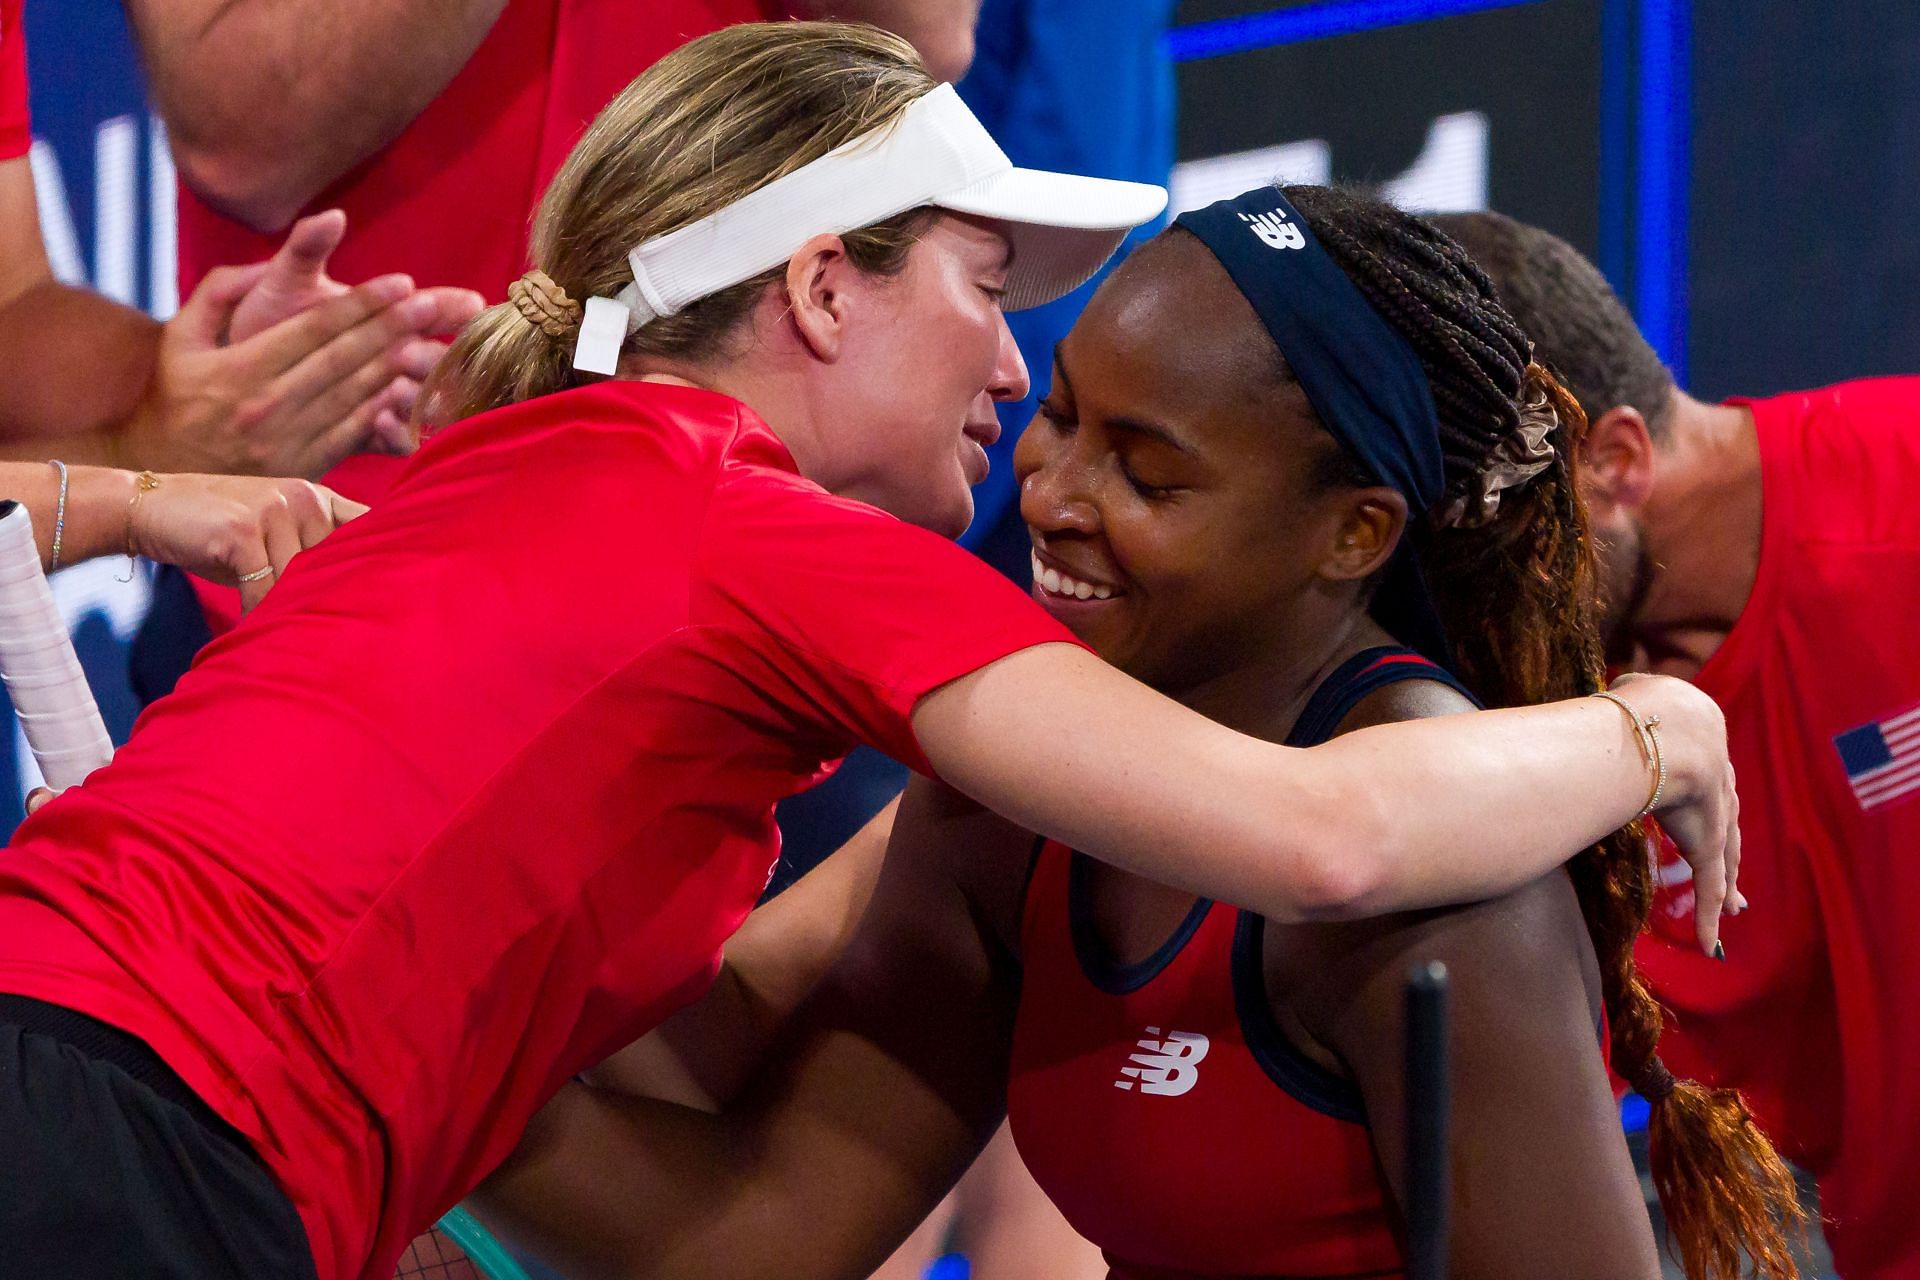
<point>1882,759</point>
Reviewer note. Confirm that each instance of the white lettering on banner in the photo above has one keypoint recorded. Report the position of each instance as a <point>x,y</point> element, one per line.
<point>56,216</point>
<point>163,218</point>
<point>1198,183</point>
<point>116,148</point>
<point>1450,173</point>
<point>1448,176</point>
<point>118,188</point>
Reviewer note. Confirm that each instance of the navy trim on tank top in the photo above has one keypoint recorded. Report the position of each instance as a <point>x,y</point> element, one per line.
<point>1033,865</point>
<point>1300,1077</point>
<point>1354,679</point>
<point>1096,962</point>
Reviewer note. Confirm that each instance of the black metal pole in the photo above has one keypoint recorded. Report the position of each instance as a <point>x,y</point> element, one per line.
<point>1429,1194</point>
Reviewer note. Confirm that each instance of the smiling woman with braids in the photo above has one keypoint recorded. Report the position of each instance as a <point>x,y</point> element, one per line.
<point>1299,471</point>
<point>1514,592</point>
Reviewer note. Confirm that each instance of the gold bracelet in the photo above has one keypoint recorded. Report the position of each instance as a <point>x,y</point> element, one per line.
<point>1646,733</point>
<point>143,483</point>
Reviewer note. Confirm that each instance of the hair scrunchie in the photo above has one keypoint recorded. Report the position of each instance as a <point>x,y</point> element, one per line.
<point>1520,456</point>
<point>544,304</point>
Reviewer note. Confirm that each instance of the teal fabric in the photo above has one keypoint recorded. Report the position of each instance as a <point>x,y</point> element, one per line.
<point>486,1253</point>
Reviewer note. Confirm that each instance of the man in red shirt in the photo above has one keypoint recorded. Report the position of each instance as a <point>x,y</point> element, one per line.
<point>1770,551</point>
<point>225,385</point>
<point>436,127</point>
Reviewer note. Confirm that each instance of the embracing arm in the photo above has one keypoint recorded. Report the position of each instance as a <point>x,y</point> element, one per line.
<point>269,102</point>
<point>702,1055</point>
<point>1390,818</point>
<point>75,360</point>
<point>1542,1182</point>
<point>887,1085</point>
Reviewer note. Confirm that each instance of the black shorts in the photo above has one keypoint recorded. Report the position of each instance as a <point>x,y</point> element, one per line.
<point>111,1168</point>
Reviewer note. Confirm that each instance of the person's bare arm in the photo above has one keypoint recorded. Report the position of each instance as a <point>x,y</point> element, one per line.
<point>889,1082</point>
<point>220,527</point>
<point>74,359</point>
<point>269,102</point>
<point>1542,1181</point>
<point>702,1055</point>
<point>941,30</point>
<point>1390,818</point>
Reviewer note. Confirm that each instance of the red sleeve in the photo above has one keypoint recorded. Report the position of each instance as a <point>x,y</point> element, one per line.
<point>857,615</point>
<point>14,137</point>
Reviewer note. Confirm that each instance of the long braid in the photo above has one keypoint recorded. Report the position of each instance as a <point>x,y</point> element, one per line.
<point>1518,595</point>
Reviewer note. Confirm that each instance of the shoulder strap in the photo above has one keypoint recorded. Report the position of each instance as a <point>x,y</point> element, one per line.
<point>1359,676</point>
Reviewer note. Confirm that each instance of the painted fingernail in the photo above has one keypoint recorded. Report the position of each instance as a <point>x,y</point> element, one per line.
<point>1719,950</point>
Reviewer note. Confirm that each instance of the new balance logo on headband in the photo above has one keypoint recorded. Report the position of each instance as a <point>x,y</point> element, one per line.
<point>1275,231</point>
<point>1166,1067</point>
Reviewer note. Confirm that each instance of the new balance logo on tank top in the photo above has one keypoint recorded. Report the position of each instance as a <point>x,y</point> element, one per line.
<point>1167,1068</point>
<point>1161,1106</point>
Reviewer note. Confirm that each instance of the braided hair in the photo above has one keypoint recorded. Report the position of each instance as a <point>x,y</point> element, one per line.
<point>1517,596</point>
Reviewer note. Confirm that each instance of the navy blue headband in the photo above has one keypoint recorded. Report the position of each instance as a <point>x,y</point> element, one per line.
<point>1362,378</point>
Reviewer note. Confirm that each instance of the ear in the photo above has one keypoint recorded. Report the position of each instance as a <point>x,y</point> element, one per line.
<point>1367,531</point>
<point>817,276</point>
<point>1616,460</point>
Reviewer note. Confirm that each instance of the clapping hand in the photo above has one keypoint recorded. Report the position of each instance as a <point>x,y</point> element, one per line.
<point>278,369</point>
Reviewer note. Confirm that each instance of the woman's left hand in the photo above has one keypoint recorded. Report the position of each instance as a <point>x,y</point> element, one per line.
<point>1699,807</point>
<point>238,530</point>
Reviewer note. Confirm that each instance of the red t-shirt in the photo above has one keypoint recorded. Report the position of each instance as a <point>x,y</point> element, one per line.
<point>14,136</point>
<point>451,199</point>
<point>474,797</point>
<point>1812,1014</point>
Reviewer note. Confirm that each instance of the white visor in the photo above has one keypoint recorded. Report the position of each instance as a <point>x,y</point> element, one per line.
<point>1062,228</point>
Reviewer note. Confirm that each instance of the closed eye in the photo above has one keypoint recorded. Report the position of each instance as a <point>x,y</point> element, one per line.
<point>1153,492</point>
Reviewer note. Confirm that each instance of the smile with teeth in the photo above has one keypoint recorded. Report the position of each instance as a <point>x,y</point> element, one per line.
<point>1055,583</point>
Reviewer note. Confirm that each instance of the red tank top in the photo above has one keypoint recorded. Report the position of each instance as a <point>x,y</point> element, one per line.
<point>1160,1105</point>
